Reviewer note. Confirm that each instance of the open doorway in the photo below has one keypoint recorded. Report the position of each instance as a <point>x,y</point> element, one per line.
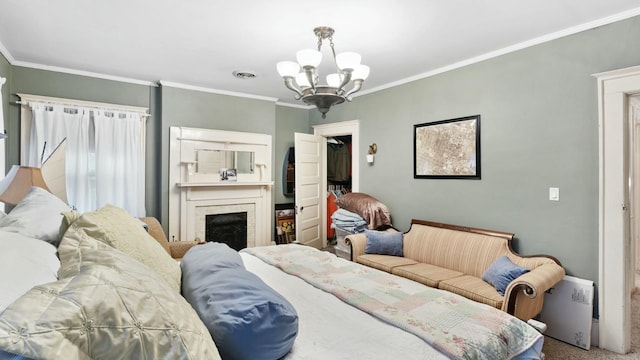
<point>340,137</point>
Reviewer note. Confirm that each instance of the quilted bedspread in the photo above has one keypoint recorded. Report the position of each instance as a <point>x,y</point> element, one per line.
<point>457,327</point>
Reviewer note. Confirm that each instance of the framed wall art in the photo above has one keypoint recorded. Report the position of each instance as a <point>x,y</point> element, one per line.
<point>447,149</point>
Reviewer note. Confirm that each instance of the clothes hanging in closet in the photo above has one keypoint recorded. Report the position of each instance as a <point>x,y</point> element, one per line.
<point>338,162</point>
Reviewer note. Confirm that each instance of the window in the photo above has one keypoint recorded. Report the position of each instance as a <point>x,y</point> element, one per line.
<point>104,155</point>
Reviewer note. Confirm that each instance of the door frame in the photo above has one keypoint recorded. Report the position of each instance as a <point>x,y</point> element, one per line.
<point>614,255</point>
<point>352,128</point>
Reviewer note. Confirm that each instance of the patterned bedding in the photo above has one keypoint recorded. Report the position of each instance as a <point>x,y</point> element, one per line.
<point>455,326</point>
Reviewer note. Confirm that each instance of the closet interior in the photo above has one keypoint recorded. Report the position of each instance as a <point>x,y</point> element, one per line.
<point>339,175</point>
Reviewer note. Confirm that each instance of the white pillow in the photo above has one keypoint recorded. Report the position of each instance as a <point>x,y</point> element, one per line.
<point>24,263</point>
<point>37,215</point>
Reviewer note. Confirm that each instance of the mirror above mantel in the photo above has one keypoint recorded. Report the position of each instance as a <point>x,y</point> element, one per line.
<point>209,161</point>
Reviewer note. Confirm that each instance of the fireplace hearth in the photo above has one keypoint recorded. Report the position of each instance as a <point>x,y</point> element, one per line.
<point>228,228</point>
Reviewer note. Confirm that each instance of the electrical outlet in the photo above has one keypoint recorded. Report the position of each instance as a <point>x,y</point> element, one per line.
<point>554,194</point>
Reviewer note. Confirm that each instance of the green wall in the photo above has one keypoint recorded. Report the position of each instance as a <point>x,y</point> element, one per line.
<point>169,106</point>
<point>49,83</point>
<point>199,109</point>
<point>289,120</point>
<point>539,129</point>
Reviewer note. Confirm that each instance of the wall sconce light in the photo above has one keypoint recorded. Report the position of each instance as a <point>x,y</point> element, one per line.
<point>373,149</point>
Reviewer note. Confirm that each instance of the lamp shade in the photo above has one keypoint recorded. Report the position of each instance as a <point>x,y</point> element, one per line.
<point>18,182</point>
<point>348,60</point>
<point>302,80</point>
<point>361,72</point>
<point>309,57</point>
<point>334,80</point>
<point>287,68</point>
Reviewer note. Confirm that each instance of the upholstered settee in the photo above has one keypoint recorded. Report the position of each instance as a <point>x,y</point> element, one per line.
<point>457,258</point>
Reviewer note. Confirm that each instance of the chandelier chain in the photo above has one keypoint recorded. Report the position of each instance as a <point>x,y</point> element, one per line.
<point>333,51</point>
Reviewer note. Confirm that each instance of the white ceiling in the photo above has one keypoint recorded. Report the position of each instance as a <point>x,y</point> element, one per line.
<point>199,43</point>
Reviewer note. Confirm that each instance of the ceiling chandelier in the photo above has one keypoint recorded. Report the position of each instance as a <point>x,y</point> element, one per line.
<point>305,83</point>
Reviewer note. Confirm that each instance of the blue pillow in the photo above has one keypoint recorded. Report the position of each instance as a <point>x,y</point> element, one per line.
<point>217,255</point>
<point>383,243</point>
<point>247,319</point>
<point>502,272</point>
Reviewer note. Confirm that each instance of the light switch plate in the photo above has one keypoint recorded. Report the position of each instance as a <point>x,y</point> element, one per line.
<point>554,194</point>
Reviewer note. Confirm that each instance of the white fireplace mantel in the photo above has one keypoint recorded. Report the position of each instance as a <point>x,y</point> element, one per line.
<point>192,196</point>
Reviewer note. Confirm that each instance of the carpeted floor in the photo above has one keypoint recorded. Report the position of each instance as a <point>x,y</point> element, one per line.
<point>555,349</point>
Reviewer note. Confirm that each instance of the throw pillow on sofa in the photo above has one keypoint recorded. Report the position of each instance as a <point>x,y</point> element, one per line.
<point>383,243</point>
<point>247,319</point>
<point>502,272</point>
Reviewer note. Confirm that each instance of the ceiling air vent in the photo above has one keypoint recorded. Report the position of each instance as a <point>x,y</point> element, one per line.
<point>244,74</point>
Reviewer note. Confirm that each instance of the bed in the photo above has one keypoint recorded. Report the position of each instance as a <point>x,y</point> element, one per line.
<point>99,301</point>
<point>333,329</point>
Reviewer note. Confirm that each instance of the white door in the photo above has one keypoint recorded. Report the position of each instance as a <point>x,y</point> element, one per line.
<point>311,184</point>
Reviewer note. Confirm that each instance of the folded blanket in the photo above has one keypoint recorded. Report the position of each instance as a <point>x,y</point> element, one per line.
<point>346,215</point>
<point>350,227</point>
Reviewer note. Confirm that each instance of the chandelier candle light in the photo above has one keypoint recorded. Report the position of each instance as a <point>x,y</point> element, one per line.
<point>305,83</point>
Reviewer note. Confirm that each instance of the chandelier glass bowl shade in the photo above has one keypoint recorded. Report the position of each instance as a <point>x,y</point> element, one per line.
<point>302,77</point>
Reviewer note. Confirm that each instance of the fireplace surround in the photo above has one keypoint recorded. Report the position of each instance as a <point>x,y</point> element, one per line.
<point>193,195</point>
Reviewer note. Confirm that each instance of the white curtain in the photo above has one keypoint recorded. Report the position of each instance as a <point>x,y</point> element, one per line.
<point>120,160</point>
<point>104,157</point>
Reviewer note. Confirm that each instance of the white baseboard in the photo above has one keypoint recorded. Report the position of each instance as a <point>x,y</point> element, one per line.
<point>595,332</point>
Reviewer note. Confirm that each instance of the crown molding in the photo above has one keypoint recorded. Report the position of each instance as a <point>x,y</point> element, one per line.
<point>536,41</point>
<point>216,91</point>
<point>509,49</point>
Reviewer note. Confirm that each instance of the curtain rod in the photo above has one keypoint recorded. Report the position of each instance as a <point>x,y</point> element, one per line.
<point>26,99</point>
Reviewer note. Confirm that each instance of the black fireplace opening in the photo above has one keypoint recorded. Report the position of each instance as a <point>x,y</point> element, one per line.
<point>228,228</point>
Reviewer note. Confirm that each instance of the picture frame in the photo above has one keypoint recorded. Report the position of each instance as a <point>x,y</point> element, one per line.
<point>447,149</point>
<point>228,175</point>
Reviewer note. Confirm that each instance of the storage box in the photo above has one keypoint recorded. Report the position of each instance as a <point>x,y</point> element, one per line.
<point>344,253</point>
<point>567,311</point>
<point>340,235</point>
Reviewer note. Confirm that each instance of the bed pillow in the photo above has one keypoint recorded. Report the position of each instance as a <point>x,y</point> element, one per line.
<point>116,227</point>
<point>247,319</point>
<point>37,215</point>
<point>502,272</point>
<point>105,305</point>
<point>24,263</point>
<point>383,243</point>
<point>217,255</point>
